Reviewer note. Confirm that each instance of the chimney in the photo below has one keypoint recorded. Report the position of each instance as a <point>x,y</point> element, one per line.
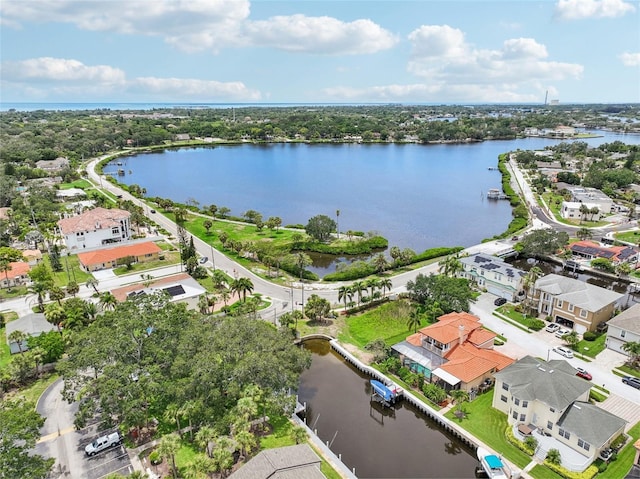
<point>461,334</point>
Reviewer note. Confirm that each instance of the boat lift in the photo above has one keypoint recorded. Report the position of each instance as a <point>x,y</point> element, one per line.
<point>384,394</point>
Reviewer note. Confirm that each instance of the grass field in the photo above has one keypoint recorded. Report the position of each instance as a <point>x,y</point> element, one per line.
<point>388,322</point>
<point>592,348</point>
<point>83,184</point>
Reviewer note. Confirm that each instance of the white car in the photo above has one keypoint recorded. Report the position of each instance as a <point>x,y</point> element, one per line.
<point>561,332</point>
<point>102,443</point>
<point>552,328</point>
<point>567,353</point>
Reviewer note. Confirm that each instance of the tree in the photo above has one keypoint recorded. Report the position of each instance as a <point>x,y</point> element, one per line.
<point>572,339</point>
<point>204,439</point>
<point>450,265</point>
<point>345,293</point>
<point>531,442</point>
<point>274,222</point>
<point>207,225</point>
<point>459,396</point>
<point>385,284</point>
<point>72,288</point>
<point>108,301</point>
<point>299,434</point>
<point>434,393</point>
<point>450,294</point>
<point>168,448</point>
<point>357,288</point>
<point>337,223</point>
<point>200,467</point>
<point>320,227</point>
<point>584,211</point>
<point>413,321</point>
<point>56,294</point>
<point>51,344</point>
<point>222,455</point>
<point>543,242</point>
<point>39,289</point>
<point>18,337</point>
<point>380,263</point>
<point>302,260</point>
<point>371,284</point>
<point>219,279</point>
<point>19,430</point>
<point>584,233</point>
<point>554,457</point>
<point>246,440</point>
<point>316,308</point>
<point>55,314</point>
<point>241,286</point>
<point>8,256</point>
<point>92,283</point>
<point>632,348</point>
<point>529,282</point>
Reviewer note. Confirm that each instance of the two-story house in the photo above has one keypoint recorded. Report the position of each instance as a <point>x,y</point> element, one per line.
<point>616,254</point>
<point>573,303</point>
<point>547,399</point>
<point>624,328</point>
<point>95,228</point>
<point>456,352</point>
<point>493,274</point>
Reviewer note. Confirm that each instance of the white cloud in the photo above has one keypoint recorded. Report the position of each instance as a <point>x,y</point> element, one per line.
<point>520,48</point>
<point>196,89</point>
<point>60,70</point>
<point>321,35</point>
<point>58,77</point>
<point>630,59</point>
<point>197,25</point>
<point>579,9</point>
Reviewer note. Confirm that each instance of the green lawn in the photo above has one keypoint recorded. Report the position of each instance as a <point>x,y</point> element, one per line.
<point>628,236</point>
<point>523,321</point>
<point>488,425</point>
<point>184,457</point>
<point>542,472</point>
<point>592,348</point>
<point>5,351</point>
<point>36,388</point>
<point>71,270</point>
<point>619,468</point>
<point>629,371</point>
<point>14,292</point>
<point>83,184</point>
<point>388,322</point>
<point>169,259</point>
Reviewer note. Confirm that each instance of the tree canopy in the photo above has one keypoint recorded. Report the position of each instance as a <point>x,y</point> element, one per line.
<point>320,227</point>
<point>542,242</point>
<point>449,294</point>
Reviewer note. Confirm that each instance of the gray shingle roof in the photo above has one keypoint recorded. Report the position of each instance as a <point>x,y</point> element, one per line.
<point>591,423</point>
<point>576,292</point>
<point>554,383</point>
<point>629,320</point>
<point>291,462</point>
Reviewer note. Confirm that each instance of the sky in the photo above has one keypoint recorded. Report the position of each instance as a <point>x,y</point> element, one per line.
<point>330,51</point>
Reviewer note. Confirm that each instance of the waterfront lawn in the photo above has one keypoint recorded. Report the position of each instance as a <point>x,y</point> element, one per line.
<point>541,472</point>
<point>592,348</point>
<point>387,322</point>
<point>488,425</point>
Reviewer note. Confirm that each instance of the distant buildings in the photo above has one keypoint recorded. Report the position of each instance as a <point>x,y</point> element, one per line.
<point>576,304</point>
<point>16,275</point>
<point>96,227</point>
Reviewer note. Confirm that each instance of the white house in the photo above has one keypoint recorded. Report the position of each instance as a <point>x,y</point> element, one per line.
<point>593,196</point>
<point>547,400</point>
<point>571,210</point>
<point>624,328</point>
<point>492,273</point>
<point>95,228</point>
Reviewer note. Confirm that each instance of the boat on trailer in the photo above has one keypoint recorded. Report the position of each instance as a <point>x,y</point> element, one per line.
<point>493,465</point>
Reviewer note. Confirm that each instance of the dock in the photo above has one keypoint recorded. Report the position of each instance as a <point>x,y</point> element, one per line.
<point>496,194</point>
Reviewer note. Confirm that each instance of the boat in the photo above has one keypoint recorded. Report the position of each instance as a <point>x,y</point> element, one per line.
<point>386,395</point>
<point>493,465</point>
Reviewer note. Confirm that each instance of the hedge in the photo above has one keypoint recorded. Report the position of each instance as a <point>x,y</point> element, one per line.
<point>435,253</point>
<point>588,473</point>
<point>516,442</point>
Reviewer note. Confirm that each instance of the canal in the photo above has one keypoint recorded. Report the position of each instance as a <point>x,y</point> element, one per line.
<point>399,442</point>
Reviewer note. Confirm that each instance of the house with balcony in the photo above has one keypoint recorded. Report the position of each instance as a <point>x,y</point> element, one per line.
<point>573,303</point>
<point>96,228</point>
<point>493,274</point>
<point>547,400</point>
<point>624,328</point>
<point>456,352</point>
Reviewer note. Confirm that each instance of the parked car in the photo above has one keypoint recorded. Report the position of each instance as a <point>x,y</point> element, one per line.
<point>561,332</point>
<point>203,260</point>
<point>583,373</point>
<point>552,328</point>
<point>562,351</point>
<point>631,381</point>
<point>103,442</point>
<point>500,301</point>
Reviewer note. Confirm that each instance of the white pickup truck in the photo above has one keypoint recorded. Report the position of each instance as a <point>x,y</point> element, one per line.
<point>102,443</point>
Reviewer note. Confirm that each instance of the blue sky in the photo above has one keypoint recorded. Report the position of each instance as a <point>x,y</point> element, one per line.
<point>331,51</point>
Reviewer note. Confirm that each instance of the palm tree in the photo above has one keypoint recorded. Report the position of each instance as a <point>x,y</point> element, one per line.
<point>92,283</point>
<point>168,447</point>
<point>242,286</point>
<point>459,396</point>
<point>302,261</point>
<point>584,211</point>
<point>337,223</point>
<point>299,434</point>
<point>172,414</point>
<point>207,225</point>
<point>529,282</point>
<point>108,301</point>
<point>554,457</point>
<point>380,263</point>
<point>413,321</point>
<point>18,337</point>
<point>225,295</point>
<point>201,467</point>
<point>204,439</point>
<point>39,288</point>
<point>55,314</point>
<point>246,440</point>
<point>584,233</point>
<point>385,284</point>
<point>358,287</point>
<point>5,267</point>
<point>372,284</point>
<point>450,265</point>
<point>203,304</point>
<point>222,455</point>
<point>632,348</point>
<point>572,339</point>
<point>56,294</point>
<point>344,293</point>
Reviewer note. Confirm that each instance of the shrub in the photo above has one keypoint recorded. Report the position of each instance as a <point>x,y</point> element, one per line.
<point>356,270</point>
<point>516,442</point>
<point>536,324</point>
<point>588,473</point>
<point>589,336</point>
<point>155,458</point>
<point>435,253</point>
<point>596,396</point>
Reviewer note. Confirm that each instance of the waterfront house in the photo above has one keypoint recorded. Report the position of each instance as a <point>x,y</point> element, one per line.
<point>573,303</point>
<point>181,288</point>
<point>624,328</point>
<point>616,254</point>
<point>456,352</point>
<point>16,275</point>
<point>112,257</point>
<point>493,274</point>
<point>95,228</point>
<point>289,462</point>
<point>547,400</point>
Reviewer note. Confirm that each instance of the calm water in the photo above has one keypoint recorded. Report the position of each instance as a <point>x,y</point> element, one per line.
<point>417,196</point>
<point>379,443</point>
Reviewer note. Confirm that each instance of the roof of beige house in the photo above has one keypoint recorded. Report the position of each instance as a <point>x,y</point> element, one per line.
<point>113,254</point>
<point>578,293</point>
<point>92,220</point>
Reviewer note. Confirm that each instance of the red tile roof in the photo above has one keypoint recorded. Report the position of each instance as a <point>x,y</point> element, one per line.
<point>447,329</point>
<point>466,362</point>
<point>18,268</point>
<point>92,220</point>
<point>112,254</point>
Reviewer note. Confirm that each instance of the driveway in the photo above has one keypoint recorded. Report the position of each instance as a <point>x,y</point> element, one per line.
<point>104,274</point>
<point>60,440</point>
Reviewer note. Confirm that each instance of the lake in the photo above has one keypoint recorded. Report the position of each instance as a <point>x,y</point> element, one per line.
<point>399,442</point>
<point>417,196</point>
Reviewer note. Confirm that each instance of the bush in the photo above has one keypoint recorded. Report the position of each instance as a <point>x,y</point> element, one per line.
<point>588,473</point>
<point>356,270</point>
<point>435,253</point>
<point>596,396</point>
<point>154,458</point>
<point>536,324</point>
<point>589,336</point>
<point>516,442</point>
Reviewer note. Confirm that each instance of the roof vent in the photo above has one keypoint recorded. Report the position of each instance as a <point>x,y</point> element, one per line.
<point>542,369</point>
<point>550,371</point>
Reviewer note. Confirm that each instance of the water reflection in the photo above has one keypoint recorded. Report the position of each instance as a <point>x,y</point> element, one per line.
<point>398,442</point>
